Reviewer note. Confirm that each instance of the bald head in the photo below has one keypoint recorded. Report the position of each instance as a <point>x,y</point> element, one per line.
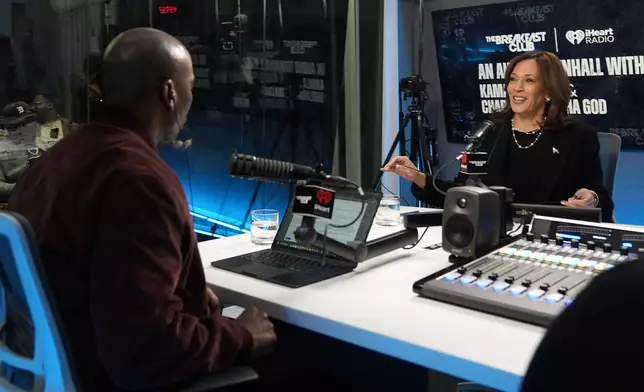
<point>148,73</point>
<point>136,64</point>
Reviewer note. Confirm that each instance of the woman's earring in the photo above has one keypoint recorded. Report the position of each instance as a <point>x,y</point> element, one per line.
<point>547,99</point>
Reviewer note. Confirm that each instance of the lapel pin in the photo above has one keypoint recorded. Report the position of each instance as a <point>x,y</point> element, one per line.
<point>555,151</point>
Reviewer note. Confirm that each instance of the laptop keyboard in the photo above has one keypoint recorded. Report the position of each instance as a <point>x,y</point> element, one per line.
<point>292,263</point>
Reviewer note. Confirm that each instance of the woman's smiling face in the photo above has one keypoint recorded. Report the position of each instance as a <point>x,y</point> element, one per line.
<point>525,89</point>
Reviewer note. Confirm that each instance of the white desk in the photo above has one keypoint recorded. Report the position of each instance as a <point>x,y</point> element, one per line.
<point>374,307</point>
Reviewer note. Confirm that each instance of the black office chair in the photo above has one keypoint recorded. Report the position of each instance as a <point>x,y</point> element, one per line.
<point>609,148</point>
<point>34,353</point>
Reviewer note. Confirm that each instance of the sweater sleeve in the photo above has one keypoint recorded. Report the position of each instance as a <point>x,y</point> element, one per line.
<point>432,196</point>
<point>145,334</point>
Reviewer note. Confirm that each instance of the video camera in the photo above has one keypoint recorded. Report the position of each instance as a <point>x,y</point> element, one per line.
<point>412,86</point>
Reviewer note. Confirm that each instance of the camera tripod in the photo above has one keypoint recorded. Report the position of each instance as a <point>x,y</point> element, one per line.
<point>422,152</point>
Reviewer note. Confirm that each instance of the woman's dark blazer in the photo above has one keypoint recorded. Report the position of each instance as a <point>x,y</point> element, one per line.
<point>574,164</point>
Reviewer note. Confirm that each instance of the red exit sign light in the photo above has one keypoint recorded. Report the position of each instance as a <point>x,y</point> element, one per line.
<point>168,9</point>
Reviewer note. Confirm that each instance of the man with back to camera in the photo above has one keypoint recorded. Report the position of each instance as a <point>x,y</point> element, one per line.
<point>116,237</point>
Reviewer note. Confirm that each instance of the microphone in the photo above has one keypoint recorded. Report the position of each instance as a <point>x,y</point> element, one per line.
<point>252,167</point>
<point>476,138</point>
<point>473,163</point>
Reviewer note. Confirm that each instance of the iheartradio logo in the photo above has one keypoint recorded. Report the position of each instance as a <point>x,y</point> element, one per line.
<point>590,36</point>
<point>575,36</point>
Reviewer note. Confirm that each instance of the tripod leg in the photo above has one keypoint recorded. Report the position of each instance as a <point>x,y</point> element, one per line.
<point>432,142</point>
<point>402,140</point>
<point>425,157</point>
<point>415,147</point>
<point>397,141</point>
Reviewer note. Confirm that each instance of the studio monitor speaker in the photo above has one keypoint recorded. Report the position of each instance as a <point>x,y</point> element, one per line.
<point>471,221</point>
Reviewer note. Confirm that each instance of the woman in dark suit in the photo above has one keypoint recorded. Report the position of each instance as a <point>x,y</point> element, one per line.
<point>538,152</point>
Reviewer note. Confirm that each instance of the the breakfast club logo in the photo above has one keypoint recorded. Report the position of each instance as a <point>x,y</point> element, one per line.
<point>590,36</point>
<point>523,42</point>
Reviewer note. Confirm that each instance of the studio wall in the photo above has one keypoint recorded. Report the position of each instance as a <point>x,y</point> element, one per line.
<point>629,179</point>
<point>68,37</point>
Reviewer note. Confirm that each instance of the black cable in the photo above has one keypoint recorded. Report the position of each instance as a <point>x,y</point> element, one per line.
<point>417,242</point>
<point>192,200</point>
<point>428,99</point>
<point>361,207</point>
<point>401,198</point>
<point>436,176</point>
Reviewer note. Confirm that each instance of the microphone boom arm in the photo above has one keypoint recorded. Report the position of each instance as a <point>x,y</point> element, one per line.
<point>306,234</point>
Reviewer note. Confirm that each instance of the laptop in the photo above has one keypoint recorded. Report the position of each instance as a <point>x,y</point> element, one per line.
<point>292,264</point>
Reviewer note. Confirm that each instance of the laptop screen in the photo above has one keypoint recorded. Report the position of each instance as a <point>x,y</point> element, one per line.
<point>346,208</point>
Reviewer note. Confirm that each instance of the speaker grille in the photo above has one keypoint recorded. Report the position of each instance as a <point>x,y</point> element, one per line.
<point>458,231</point>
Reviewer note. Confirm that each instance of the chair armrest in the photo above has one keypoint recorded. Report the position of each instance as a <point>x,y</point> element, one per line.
<point>233,376</point>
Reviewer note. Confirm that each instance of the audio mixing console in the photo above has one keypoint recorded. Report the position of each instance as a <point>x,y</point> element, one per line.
<point>534,278</point>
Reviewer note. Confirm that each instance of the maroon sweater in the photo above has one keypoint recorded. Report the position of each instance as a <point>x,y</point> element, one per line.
<point>118,246</point>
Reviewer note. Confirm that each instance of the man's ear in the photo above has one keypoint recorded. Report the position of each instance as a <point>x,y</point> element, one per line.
<point>168,94</point>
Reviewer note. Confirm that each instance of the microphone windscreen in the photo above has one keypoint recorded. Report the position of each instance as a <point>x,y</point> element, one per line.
<point>242,165</point>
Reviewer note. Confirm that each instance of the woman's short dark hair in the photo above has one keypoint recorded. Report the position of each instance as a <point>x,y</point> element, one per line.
<point>555,82</point>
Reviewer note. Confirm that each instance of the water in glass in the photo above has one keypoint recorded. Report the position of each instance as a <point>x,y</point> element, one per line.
<point>263,226</point>
<point>389,211</point>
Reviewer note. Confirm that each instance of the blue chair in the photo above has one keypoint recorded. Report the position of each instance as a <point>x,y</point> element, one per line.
<point>610,145</point>
<point>34,352</point>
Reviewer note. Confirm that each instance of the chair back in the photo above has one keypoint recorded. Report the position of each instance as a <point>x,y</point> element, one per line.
<point>33,351</point>
<point>609,147</point>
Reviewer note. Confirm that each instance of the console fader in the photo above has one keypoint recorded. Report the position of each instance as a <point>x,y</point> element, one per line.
<point>534,278</point>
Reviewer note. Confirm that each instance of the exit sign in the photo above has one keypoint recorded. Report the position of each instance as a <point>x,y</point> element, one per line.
<point>168,9</point>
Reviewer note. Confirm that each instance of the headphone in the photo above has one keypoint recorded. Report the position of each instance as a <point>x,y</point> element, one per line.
<point>172,96</point>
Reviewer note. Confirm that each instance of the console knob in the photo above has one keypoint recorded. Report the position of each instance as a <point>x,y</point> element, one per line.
<point>529,237</point>
<point>544,238</point>
<point>591,245</point>
<point>574,244</point>
<point>624,250</point>
<point>608,247</point>
<point>559,241</point>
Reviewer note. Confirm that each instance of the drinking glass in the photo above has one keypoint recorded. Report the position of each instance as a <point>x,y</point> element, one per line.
<point>263,226</point>
<point>389,211</point>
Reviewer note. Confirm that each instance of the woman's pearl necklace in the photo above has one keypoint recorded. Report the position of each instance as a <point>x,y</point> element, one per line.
<point>514,136</point>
